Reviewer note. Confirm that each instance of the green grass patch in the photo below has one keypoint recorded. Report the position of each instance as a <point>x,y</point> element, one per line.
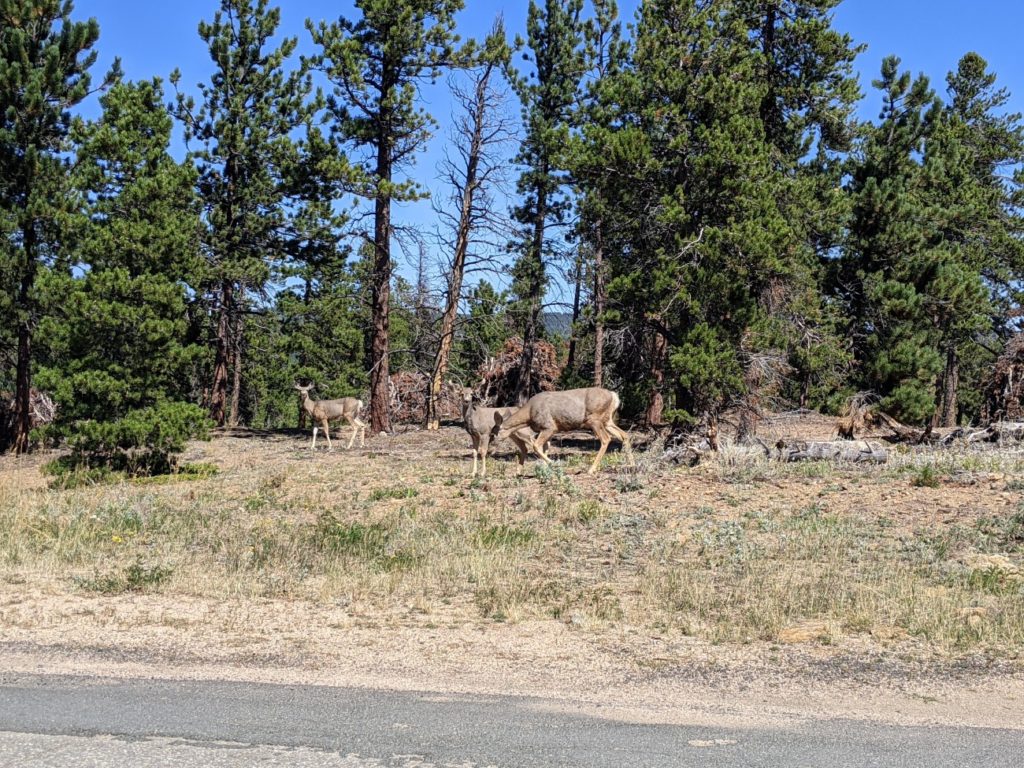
<point>397,492</point>
<point>137,577</point>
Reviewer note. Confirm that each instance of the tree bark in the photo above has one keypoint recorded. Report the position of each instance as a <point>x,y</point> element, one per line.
<point>222,343</point>
<point>380,416</point>
<point>598,304</point>
<point>656,408</point>
<point>236,368</point>
<point>452,304</point>
<point>570,363</point>
<point>946,413</point>
<point>22,416</point>
<point>841,450</point>
<point>535,287</point>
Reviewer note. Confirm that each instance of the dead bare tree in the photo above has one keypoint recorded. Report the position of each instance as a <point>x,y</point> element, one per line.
<point>478,135</point>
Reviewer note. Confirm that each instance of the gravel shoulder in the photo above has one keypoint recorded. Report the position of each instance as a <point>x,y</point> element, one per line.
<point>284,642</point>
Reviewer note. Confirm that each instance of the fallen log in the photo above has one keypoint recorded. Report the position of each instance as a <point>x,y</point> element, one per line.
<point>998,432</point>
<point>858,451</point>
<point>904,434</point>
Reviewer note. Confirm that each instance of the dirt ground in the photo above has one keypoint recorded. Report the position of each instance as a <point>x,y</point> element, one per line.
<point>373,632</point>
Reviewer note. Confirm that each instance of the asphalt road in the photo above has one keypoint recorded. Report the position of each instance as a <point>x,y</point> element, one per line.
<point>59,721</point>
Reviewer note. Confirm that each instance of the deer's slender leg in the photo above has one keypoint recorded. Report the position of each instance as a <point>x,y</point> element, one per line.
<point>541,440</point>
<point>485,444</point>
<point>313,446</point>
<point>522,448</point>
<point>620,435</point>
<point>355,429</point>
<point>476,450</point>
<point>602,434</point>
<point>327,434</point>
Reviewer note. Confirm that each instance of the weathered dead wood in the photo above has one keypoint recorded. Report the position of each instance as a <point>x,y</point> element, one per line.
<point>42,408</point>
<point>1003,388</point>
<point>999,432</point>
<point>857,416</point>
<point>687,452</point>
<point>859,451</point>
<point>904,434</point>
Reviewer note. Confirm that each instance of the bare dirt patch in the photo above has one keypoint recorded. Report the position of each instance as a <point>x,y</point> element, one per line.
<point>654,593</point>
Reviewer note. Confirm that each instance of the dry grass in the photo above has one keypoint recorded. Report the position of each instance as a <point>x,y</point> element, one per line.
<point>924,552</point>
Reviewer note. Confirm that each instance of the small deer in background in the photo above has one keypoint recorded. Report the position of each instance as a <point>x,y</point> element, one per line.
<point>548,413</point>
<point>321,412</point>
<point>483,424</point>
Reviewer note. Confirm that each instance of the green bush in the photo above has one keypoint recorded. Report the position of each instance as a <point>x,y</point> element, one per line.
<point>144,441</point>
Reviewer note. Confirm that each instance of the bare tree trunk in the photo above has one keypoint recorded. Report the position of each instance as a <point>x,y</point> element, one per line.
<point>946,412</point>
<point>236,369</point>
<point>656,408</point>
<point>380,416</point>
<point>478,132</point>
<point>534,290</point>
<point>598,305</point>
<point>440,369</point>
<point>222,342</point>
<point>451,308</point>
<point>21,419</point>
<point>570,363</point>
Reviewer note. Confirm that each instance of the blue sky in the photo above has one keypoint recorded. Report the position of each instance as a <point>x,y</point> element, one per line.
<point>929,36</point>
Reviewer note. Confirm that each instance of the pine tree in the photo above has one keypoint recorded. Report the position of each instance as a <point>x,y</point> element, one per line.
<point>607,54</point>
<point>244,129</point>
<point>975,257</point>
<point>116,354</point>
<point>703,247</point>
<point>806,112</point>
<point>314,333</point>
<point>45,58</point>
<point>486,329</point>
<point>376,65</point>
<point>548,94</point>
<point>887,267</point>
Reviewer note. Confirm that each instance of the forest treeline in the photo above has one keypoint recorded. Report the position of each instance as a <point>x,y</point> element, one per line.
<point>730,236</point>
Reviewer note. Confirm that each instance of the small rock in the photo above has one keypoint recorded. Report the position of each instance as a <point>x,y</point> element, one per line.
<point>804,632</point>
<point>1001,563</point>
<point>888,632</point>
<point>975,616</point>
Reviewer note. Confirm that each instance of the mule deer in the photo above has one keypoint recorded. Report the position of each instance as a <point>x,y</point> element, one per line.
<point>483,424</point>
<point>548,413</point>
<point>323,411</point>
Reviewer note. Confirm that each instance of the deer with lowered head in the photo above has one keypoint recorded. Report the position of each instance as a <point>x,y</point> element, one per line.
<point>483,424</point>
<point>321,412</point>
<point>548,413</point>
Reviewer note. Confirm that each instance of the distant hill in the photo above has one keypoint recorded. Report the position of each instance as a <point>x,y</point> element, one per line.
<point>557,323</point>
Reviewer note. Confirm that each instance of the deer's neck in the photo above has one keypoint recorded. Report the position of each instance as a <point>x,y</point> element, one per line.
<point>307,404</point>
<point>512,422</point>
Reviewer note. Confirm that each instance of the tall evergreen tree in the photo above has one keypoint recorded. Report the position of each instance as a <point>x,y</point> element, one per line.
<point>45,58</point>
<point>598,119</point>
<point>115,345</point>
<point>244,128</point>
<point>376,65</point>
<point>806,112</point>
<point>549,94</point>
<point>975,251</point>
<point>887,266</point>
<point>703,246</point>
